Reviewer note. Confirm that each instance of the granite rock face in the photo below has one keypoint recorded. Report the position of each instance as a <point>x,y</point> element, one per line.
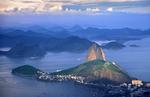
<point>95,52</point>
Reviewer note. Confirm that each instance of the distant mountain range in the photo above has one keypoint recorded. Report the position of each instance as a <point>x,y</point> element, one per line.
<point>35,46</point>
<point>91,33</point>
<point>37,41</point>
<point>121,35</point>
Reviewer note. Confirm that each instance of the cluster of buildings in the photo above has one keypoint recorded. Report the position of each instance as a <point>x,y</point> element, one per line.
<point>137,88</point>
<point>140,89</point>
<point>49,77</point>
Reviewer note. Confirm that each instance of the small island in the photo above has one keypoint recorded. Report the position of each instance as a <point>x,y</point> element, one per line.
<point>113,45</point>
<point>26,70</point>
<point>134,45</point>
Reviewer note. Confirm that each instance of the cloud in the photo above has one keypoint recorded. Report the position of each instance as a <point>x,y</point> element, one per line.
<point>143,10</point>
<point>74,6</point>
<point>110,9</point>
<point>93,9</point>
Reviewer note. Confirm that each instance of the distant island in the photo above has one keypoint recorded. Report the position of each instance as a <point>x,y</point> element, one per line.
<point>26,70</point>
<point>134,45</point>
<point>113,45</point>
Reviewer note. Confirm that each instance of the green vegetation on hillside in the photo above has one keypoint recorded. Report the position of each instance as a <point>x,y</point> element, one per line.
<point>97,69</point>
<point>25,70</point>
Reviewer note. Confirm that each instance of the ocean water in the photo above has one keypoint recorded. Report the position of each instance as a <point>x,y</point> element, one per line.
<point>14,86</point>
<point>135,60</point>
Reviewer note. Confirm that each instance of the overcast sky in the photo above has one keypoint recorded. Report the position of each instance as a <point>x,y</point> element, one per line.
<point>100,13</point>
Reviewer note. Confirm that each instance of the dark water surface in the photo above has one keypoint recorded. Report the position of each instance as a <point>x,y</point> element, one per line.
<point>135,60</point>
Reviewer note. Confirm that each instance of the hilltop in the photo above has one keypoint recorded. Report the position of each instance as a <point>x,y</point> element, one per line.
<point>95,52</point>
<point>98,71</point>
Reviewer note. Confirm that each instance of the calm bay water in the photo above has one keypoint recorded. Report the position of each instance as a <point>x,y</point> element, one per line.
<point>135,60</point>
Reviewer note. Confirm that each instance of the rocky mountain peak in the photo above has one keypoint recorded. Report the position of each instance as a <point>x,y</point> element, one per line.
<point>95,52</point>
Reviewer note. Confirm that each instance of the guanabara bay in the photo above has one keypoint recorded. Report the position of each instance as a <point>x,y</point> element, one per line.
<point>74,48</point>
